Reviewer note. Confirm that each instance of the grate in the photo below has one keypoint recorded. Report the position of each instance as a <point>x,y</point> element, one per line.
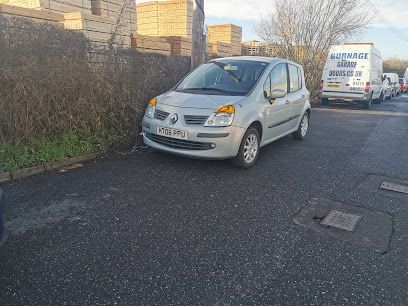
<point>394,187</point>
<point>161,115</point>
<point>341,220</point>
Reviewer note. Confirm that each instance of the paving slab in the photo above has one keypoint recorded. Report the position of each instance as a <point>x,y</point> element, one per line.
<point>370,229</point>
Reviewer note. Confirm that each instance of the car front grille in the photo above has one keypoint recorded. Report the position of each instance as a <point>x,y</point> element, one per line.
<point>161,115</point>
<point>195,120</point>
<point>178,143</point>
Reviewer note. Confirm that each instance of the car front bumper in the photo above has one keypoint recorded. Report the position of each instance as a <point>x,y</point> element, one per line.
<point>212,143</point>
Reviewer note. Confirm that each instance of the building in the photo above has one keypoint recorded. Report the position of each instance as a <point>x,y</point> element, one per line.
<point>259,48</point>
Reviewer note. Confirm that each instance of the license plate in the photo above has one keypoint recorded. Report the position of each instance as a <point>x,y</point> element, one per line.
<point>172,133</point>
<point>333,85</point>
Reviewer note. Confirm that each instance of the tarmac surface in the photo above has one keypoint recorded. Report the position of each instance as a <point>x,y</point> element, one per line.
<point>156,229</point>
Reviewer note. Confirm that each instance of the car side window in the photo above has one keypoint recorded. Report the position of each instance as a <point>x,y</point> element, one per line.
<point>279,78</point>
<point>294,78</point>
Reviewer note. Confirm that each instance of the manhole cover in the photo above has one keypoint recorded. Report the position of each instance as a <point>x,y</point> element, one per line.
<point>360,226</point>
<point>394,187</point>
<point>341,220</point>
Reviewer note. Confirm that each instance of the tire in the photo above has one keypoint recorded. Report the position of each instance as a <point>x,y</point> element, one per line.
<point>304,124</point>
<point>246,159</point>
<point>380,99</point>
<point>367,104</point>
<point>325,101</point>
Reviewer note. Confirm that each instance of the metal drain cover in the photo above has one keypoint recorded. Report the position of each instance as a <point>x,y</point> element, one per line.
<point>394,187</point>
<point>341,220</point>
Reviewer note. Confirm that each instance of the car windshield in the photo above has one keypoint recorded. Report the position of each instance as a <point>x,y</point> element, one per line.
<point>223,77</point>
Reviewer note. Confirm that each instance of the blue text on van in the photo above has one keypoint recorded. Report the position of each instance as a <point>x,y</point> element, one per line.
<point>349,56</point>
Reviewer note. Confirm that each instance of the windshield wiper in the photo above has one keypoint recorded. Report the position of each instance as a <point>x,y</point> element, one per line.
<point>210,88</point>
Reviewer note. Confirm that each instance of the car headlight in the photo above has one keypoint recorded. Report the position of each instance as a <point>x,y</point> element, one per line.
<point>151,108</point>
<point>221,117</point>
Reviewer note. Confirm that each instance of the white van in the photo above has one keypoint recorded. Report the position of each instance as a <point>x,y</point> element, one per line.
<point>394,79</point>
<point>353,73</point>
<point>406,74</point>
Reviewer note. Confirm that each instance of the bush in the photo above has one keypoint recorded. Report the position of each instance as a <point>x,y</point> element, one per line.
<point>53,83</point>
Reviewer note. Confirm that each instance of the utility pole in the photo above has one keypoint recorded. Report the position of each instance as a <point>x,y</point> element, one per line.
<point>198,35</point>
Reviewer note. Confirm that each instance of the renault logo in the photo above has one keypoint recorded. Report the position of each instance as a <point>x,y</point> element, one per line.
<point>174,118</point>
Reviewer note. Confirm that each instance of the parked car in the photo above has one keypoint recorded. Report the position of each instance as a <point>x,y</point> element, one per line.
<point>394,78</point>
<point>3,231</point>
<point>404,85</point>
<point>387,88</point>
<point>353,74</point>
<point>406,74</point>
<point>229,108</point>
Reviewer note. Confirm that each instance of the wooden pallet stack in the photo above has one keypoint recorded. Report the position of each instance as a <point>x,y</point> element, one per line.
<point>151,44</point>
<point>220,49</point>
<point>9,11</point>
<point>180,45</point>
<point>171,20</point>
<point>54,6</point>
<point>228,34</point>
<point>98,29</point>
<point>111,9</point>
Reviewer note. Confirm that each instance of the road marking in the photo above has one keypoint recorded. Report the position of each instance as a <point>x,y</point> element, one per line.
<point>363,112</point>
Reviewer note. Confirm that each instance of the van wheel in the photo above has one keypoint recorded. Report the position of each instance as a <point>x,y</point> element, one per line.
<point>325,101</point>
<point>301,132</point>
<point>248,150</point>
<point>367,104</point>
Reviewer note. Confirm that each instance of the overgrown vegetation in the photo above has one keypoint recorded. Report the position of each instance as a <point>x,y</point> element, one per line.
<point>56,147</point>
<point>60,97</point>
<point>396,65</point>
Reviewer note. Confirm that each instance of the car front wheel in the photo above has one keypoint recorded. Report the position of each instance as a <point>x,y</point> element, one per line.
<point>248,150</point>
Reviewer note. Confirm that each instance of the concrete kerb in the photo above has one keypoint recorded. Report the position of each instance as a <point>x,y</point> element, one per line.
<point>5,177</point>
<point>48,167</point>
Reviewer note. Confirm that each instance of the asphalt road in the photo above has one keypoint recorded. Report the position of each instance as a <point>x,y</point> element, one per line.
<point>156,229</point>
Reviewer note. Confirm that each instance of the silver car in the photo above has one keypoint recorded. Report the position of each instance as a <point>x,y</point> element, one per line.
<point>228,108</point>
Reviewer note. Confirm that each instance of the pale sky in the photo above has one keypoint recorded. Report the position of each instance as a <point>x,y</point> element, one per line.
<point>247,13</point>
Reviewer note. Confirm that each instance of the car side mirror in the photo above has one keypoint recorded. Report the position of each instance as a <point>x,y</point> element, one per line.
<point>276,94</point>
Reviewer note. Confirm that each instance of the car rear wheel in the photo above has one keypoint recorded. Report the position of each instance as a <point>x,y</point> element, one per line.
<point>248,150</point>
<point>301,132</point>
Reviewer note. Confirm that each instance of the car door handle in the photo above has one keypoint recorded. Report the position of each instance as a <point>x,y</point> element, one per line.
<point>303,96</point>
<point>287,102</point>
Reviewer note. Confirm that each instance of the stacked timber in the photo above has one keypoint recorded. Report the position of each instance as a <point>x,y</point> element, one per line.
<point>98,29</point>
<point>54,6</point>
<point>221,49</point>
<point>165,18</point>
<point>111,9</point>
<point>226,33</point>
<point>8,11</point>
<point>179,45</point>
<point>151,44</point>
<point>148,18</point>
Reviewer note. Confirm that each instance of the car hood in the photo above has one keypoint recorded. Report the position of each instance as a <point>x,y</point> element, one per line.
<point>187,100</point>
